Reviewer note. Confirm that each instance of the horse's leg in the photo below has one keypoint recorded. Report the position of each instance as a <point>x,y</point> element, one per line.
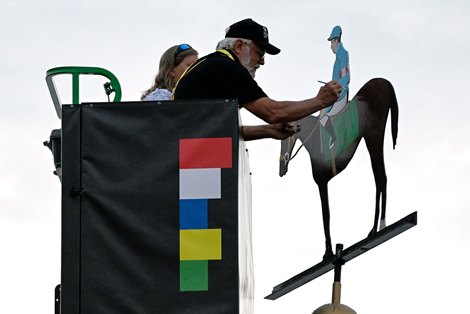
<point>323,188</point>
<point>383,223</point>
<point>378,167</point>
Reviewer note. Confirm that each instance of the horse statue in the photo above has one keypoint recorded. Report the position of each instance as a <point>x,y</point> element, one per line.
<point>365,116</point>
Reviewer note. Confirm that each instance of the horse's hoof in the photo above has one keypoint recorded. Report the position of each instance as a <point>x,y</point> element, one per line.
<point>371,233</point>
<point>383,224</point>
<point>328,254</point>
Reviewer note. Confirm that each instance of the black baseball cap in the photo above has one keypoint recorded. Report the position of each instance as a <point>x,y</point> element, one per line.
<point>249,29</point>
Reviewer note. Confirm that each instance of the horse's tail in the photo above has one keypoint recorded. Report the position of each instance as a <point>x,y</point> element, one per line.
<point>394,114</point>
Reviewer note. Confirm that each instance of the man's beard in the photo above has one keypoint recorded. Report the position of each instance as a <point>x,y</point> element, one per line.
<point>245,61</point>
<point>253,71</point>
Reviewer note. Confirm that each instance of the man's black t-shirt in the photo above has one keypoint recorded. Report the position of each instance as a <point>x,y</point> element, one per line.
<point>218,76</point>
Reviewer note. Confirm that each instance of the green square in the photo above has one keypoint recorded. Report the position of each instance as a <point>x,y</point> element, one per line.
<point>194,276</point>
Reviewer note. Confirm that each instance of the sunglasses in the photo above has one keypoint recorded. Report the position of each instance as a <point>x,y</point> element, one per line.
<point>258,51</point>
<point>181,48</point>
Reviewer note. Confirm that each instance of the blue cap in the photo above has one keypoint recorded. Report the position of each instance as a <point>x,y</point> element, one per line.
<point>335,33</point>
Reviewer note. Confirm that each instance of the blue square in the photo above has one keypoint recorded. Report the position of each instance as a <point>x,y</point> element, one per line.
<point>193,214</point>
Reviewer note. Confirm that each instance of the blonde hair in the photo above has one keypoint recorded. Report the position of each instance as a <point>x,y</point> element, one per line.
<point>170,59</point>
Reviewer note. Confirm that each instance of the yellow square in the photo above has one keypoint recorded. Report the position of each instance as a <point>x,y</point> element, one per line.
<point>200,244</point>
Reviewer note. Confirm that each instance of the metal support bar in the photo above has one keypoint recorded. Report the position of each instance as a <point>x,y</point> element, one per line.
<point>76,71</point>
<point>338,262</point>
<point>353,251</point>
<point>75,89</point>
<point>57,299</point>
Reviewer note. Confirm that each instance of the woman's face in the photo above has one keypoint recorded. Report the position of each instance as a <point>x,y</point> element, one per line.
<point>180,68</point>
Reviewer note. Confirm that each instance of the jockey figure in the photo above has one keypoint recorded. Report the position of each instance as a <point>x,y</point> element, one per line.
<point>341,74</point>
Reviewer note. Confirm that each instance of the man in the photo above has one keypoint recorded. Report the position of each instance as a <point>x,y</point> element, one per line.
<point>229,73</point>
<point>342,75</point>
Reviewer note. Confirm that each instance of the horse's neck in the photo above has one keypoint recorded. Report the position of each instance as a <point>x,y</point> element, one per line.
<point>307,126</point>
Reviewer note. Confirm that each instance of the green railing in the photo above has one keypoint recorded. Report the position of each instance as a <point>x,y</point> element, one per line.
<point>76,71</point>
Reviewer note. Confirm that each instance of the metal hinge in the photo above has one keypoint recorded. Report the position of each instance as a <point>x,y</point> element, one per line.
<point>76,192</point>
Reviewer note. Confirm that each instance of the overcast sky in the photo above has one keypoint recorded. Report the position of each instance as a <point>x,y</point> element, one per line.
<point>422,47</point>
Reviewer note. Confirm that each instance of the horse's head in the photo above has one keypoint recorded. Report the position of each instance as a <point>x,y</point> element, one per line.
<point>286,150</point>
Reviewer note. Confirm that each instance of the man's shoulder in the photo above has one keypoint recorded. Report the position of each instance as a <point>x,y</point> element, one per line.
<point>220,58</point>
<point>217,64</point>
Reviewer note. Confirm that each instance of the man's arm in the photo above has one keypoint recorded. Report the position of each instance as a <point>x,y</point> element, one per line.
<point>274,112</point>
<point>276,131</point>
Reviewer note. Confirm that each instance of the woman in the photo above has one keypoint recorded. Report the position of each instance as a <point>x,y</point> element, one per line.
<point>173,63</point>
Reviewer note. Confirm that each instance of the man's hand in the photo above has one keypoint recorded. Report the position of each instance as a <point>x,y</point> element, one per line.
<point>282,131</point>
<point>329,93</point>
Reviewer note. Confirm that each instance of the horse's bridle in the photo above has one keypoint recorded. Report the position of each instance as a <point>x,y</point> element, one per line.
<point>286,154</point>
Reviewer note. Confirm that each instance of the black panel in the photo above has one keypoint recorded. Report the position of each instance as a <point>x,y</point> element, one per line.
<point>121,222</point>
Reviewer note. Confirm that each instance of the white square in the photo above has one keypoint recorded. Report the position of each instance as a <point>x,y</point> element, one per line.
<point>200,183</point>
